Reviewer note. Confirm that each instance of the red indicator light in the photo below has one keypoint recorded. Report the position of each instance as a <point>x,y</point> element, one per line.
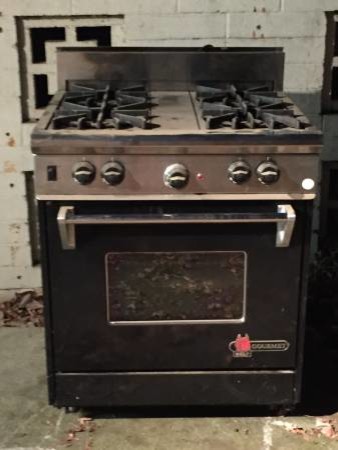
<point>242,343</point>
<point>200,177</point>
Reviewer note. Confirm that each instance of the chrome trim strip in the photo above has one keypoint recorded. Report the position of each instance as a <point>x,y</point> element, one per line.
<point>285,229</point>
<point>183,322</point>
<point>164,197</point>
<point>188,372</point>
<point>66,229</point>
<point>67,220</point>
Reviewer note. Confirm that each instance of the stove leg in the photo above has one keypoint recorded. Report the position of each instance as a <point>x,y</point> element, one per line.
<point>71,409</point>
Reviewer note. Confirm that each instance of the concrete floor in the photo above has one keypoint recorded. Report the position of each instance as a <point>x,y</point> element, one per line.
<point>27,422</point>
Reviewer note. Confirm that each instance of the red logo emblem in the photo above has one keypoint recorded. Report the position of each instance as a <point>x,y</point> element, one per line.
<point>242,343</point>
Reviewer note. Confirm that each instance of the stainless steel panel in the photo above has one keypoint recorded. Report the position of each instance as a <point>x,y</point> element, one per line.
<point>144,175</point>
<point>179,67</point>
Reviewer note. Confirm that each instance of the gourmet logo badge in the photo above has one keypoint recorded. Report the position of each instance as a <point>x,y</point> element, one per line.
<point>243,346</point>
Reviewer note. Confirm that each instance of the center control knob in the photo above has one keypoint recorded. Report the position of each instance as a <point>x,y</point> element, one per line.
<point>112,172</point>
<point>268,172</point>
<point>239,172</point>
<point>176,176</point>
<point>83,172</point>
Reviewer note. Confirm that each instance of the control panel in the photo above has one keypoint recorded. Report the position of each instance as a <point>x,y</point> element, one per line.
<point>181,174</point>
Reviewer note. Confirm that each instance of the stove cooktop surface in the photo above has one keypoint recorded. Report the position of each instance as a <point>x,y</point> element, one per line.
<point>230,108</point>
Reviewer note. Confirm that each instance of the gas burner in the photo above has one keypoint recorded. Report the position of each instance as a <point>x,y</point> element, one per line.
<point>88,106</point>
<point>250,108</point>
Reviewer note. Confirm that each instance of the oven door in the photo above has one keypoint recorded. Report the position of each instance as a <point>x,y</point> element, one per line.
<point>173,286</point>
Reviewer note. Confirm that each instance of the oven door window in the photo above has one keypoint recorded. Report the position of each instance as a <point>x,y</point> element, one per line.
<point>167,287</point>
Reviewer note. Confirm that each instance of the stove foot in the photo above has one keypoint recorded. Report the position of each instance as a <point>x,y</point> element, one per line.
<point>282,410</point>
<point>71,409</point>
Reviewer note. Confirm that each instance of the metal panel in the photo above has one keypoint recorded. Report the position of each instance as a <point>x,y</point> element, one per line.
<point>144,175</point>
<point>183,67</point>
<point>95,345</point>
<point>175,388</point>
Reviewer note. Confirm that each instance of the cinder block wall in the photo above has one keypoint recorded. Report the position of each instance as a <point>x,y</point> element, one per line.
<point>297,25</point>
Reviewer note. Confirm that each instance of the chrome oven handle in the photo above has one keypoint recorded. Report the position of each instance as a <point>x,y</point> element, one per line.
<point>284,218</point>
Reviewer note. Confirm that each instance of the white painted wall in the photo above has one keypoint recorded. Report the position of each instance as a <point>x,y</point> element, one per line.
<point>297,25</point>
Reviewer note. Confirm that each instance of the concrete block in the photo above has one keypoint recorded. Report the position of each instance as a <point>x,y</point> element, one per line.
<point>15,255</point>
<point>198,43</point>
<point>36,7</point>
<point>21,255</point>
<point>256,26</point>
<point>310,5</point>
<point>6,256</point>
<point>8,48</point>
<point>26,131</point>
<point>14,233</point>
<point>303,77</point>
<point>15,159</point>
<point>10,122</point>
<point>14,211</point>
<point>20,277</point>
<point>229,6</point>
<point>179,26</point>
<point>124,6</point>
<point>297,50</point>
<point>10,84</point>
<point>11,183</point>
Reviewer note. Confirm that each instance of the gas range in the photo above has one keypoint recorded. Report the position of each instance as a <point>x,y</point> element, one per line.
<point>190,133</point>
<point>169,183</point>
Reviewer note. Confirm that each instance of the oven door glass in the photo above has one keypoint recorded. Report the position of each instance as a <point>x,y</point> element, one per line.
<point>163,287</point>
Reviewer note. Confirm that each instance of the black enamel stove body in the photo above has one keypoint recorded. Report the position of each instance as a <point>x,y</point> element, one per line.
<point>175,191</point>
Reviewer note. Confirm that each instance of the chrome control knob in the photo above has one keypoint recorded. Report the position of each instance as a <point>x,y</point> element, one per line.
<point>268,172</point>
<point>239,172</point>
<point>112,172</point>
<point>83,172</point>
<point>176,176</point>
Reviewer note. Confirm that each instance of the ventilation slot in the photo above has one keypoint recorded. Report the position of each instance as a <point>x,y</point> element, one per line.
<point>38,39</point>
<point>41,91</point>
<point>99,34</point>
<point>39,36</point>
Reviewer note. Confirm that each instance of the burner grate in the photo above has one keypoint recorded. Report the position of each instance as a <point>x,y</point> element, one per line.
<point>98,106</point>
<point>251,108</point>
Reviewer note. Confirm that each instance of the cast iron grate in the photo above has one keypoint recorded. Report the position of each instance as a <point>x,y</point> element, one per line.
<point>255,107</point>
<point>100,105</point>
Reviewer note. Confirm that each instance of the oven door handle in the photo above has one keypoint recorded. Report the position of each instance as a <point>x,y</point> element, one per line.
<point>284,218</point>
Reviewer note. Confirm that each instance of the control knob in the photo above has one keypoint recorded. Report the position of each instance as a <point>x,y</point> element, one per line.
<point>83,172</point>
<point>239,172</point>
<point>112,172</point>
<point>176,176</point>
<point>268,172</point>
